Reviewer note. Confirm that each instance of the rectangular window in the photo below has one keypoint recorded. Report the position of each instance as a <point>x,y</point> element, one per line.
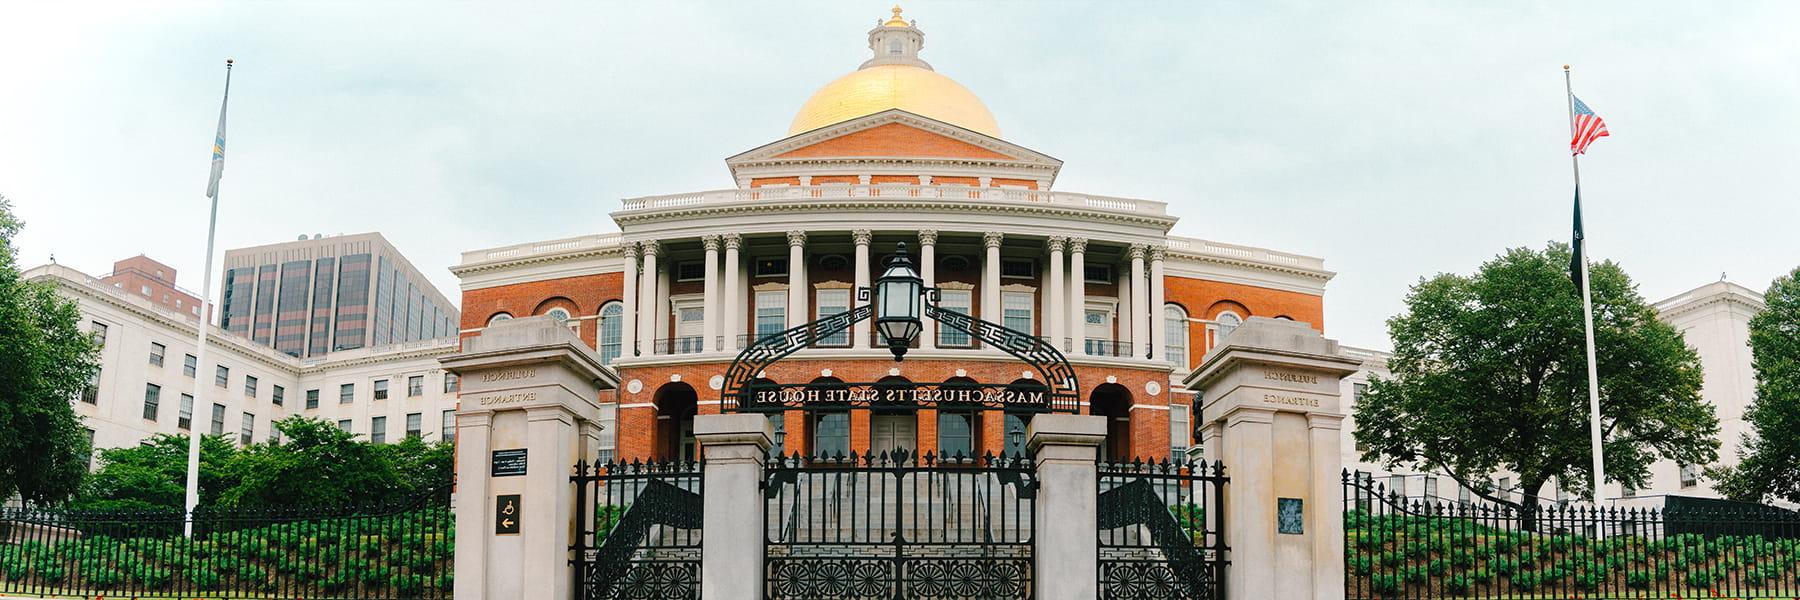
<point>415,386</point>
<point>831,433</point>
<point>956,434</point>
<point>959,301</point>
<point>344,424</point>
<point>218,419</point>
<point>771,267</point>
<point>156,354</point>
<point>248,430</point>
<point>278,395</point>
<point>1365,487</point>
<point>1397,485</point>
<point>778,425</point>
<point>1178,431</point>
<point>415,423</point>
<point>250,386</point>
<point>222,376</point>
<point>312,399</point>
<point>98,334</point>
<point>1015,310</point>
<point>1463,495</point>
<point>185,418</point>
<point>1505,489</point>
<point>449,425</point>
<point>452,383</point>
<point>91,393</point>
<point>1018,268</point>
<point>771,312</point>
<point>381,389</point>
<point>1097,273</point>
<point>831,302</point>
<point>692,270</point>
<point>190,364</point>
<point>378,430</point>
<point>1690,477</point>
<point>152,400</point>
<point>346,393</point>
<point>1430,488</point>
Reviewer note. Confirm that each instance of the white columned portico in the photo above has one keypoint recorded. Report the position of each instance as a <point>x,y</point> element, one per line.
<point>928,272</point>
<point>646,305</point>
<point>1159,329</point>
<point>1272,415</point>
<point>709,316</point>
<point>796,309</point>
<point>628,322</point>
<point>990,276</point>
<point>1140,334</point>
<point>733,302</point>
<point>859,336</point>
<point>1055,319</point>
<point>1077,296</point>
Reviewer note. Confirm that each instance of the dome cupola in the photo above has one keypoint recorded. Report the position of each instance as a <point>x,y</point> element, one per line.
<point>895,77</point>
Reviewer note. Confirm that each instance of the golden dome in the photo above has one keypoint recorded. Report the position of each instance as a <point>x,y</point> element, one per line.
<point>895,21</point>
<point>913,89</point>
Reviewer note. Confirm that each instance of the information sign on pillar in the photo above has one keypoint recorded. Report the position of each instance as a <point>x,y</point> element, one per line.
<point>1271,414</point>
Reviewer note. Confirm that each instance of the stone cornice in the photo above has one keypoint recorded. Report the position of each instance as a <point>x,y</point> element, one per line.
<point>899,205</point>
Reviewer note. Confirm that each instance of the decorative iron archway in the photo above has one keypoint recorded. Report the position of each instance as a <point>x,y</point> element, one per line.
<point>741,392</point>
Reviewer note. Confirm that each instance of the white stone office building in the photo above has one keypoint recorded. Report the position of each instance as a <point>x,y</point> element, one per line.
<point>1715,320</point>
<point>150,383</point>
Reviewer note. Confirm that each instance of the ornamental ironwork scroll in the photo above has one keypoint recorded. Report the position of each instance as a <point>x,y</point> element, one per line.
<point>1061,390</point>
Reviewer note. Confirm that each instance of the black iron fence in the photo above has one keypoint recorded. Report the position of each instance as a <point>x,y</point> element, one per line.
<point>899,526</point>
<point>1161,530</point>
<point>398,550</point>
<point>637,529</point>
<point>1396,548</point>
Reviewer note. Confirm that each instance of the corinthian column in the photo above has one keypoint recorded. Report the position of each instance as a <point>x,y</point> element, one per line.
<point>859,335</point>
<point>796,278</point>
<point>1140,324</point>
<point>990,277</point>
<point>1054,322</point>
<point>646,306</point>
<point>709,315</point>
<point>1159,329</point>
<point>732,304</point>
<point>928,272</point>
<point>1077,296</point>
<point>628,301</point>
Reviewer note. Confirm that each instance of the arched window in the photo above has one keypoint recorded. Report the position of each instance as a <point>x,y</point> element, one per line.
<point>1175,329</point>
<point>1228,322</point>
<point>612,318</point>
<point>498,317</point>
<point>561,315</point>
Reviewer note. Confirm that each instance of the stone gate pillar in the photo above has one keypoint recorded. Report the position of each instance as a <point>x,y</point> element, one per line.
<point>1065,521</point>
<point>1270,412</point>
<point>529,409</point>
<point>731,560</point>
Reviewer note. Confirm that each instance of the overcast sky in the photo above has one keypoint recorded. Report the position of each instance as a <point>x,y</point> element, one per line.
<point>1395,140</point>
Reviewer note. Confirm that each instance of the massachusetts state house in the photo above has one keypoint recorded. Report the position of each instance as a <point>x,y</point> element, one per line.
<point>892,153</point>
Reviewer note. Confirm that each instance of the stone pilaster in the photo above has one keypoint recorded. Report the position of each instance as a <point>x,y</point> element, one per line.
<point>734,446</point>
<point>1065,448</point>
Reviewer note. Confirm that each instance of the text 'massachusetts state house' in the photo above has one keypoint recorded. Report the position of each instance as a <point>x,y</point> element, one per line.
<point>892,152</point>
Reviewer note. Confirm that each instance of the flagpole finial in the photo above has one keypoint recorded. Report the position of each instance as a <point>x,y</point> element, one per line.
<point>1565,67</point>
<point>227,62</point>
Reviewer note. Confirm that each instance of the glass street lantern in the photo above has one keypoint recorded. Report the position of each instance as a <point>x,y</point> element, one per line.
<point>897,314</point>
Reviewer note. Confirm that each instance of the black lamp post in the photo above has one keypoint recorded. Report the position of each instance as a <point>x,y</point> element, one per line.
<point>1016,435</point>
<point>897,294</point>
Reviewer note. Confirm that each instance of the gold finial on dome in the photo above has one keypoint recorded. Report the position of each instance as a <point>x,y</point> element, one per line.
<point>895,21</point>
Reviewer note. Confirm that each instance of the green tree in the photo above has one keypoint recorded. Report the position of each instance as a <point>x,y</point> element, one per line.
<point>1490,374</point>
<point>316,463</point>
<point>45,361</point>
<point>153,475</point>
<point>1769,465</point>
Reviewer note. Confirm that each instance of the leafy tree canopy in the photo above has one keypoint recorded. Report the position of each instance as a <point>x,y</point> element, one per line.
<point>1490,374</point>
<point>316,464</point>
<point>1770,455</point>
<point>45,361</point>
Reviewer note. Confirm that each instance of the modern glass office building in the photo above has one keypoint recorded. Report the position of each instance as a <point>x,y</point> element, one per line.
<point>319,294</point>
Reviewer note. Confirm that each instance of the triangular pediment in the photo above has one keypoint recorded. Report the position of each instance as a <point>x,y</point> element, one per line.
<point>895,134</point>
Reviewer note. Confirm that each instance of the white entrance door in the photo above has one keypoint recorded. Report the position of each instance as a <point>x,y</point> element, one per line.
<point>888,433</point>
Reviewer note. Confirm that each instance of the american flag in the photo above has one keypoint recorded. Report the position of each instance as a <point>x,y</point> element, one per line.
<point>1588,127</point>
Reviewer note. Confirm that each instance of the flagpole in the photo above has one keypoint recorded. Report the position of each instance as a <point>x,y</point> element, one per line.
<point>212,222</point>
<point>1587,318</point>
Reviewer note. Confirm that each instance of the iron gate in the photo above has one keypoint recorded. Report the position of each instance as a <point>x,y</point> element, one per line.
<point>899,526</point>
<point>1161,530</point>
<point>637,530</point>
